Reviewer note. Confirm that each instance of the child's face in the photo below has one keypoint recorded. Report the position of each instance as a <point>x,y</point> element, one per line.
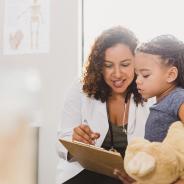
<point>151,75</point>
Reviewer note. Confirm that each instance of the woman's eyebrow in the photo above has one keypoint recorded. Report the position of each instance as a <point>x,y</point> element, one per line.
<point>120,61</point>
<point>107,61</point>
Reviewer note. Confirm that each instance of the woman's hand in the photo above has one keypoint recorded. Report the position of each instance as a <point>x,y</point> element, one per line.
<point>123,177</point>
<point>179,182</point>
<point>84,134</point>
<point>127,180</point>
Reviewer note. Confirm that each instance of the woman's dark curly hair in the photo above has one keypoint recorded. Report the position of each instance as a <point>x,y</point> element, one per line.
<point>170,50</point>
<point>93,81</point>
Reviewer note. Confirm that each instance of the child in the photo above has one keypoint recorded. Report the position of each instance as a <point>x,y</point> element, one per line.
<point>159,65</point>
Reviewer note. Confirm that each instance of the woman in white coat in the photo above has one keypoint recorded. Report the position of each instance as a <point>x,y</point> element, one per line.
<point>105,106</point>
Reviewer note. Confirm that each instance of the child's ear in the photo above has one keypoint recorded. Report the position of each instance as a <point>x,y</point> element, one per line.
<point>172,74</point>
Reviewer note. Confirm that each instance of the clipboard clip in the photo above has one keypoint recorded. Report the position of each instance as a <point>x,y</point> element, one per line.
<point>113,149</point>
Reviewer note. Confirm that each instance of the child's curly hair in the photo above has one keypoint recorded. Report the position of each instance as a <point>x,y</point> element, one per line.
<point>170,50</point>
<point>93,81</point>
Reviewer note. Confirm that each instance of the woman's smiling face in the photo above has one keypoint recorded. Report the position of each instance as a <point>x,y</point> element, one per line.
<point>118,68</point>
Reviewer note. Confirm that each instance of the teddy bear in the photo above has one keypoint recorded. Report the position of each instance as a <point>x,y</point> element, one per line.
<point>157,162</point>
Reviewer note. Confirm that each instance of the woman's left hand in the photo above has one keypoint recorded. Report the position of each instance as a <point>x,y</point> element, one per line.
<point>123,177</point>
<point>179,182</point>
<point>127,180</point>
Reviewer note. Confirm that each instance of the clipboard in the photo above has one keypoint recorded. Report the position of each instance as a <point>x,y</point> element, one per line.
<point>94,158</point>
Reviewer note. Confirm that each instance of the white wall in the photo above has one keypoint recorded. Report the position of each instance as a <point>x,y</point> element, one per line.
<point>58,68</point>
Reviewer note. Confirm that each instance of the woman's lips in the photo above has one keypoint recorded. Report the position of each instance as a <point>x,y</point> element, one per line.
<point>118,83</point>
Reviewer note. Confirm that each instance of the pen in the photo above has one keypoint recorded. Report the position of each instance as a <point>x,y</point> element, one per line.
<point>85,122</point>
<point>92,137</point>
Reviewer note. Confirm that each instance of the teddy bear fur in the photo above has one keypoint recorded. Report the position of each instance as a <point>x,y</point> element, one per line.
<point>154,162</point>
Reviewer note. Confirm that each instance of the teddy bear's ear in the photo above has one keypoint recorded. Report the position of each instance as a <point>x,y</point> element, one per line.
<point>177,125</point>
<point>138,140</point>
<point>137,144</point>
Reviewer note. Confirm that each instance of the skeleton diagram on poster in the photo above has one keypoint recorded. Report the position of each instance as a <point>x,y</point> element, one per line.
<point>26,26</point>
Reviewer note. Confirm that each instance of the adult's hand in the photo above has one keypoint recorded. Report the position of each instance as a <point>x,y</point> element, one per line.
<point>123,177</point>
<point>127,180</point>
<point>84,134</point>
<point>179,182</point>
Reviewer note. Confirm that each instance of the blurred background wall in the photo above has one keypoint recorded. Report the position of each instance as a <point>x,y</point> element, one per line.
<point>57,69</point>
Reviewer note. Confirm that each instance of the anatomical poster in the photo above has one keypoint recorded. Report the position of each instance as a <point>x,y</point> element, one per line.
<point>26,26</point>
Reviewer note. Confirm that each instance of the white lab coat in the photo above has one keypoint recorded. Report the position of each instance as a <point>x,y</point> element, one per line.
<point>77,108</point>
